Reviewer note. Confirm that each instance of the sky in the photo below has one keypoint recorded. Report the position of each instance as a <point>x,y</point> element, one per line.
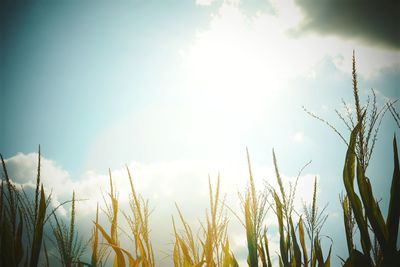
<point>177,90</point>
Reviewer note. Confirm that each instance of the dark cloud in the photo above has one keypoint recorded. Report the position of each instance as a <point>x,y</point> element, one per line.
<point>373,21</point>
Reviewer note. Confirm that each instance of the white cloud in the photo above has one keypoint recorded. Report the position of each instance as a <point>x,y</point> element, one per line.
<point>204,2</point>
<point>22,169</point>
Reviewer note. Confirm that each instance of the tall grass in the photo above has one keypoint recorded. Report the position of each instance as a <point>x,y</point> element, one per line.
<point>314,219</point>
<point>100,252</point>
<point>291,252</point>
<point>22,221</point>
<point>69,245</point>
<point>138,222</point>
<point>139,225</point>
<point>211,247</point>
<point>254,206</point>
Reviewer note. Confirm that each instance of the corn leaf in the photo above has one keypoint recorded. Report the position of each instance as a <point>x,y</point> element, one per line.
<point>283,244</point>
<point>318,252</point>
<point>303,243</point>
<point>228,258</point>
<point>119,259</point>
<point>327,262</point>
<point>394,204</point>
<point>357,259</point>
<point>267,249</point>
<point>95,240</point>
<point>261,253</point>
<point>250,234</point>
<point>296,248</point>
<point>185,250</point>
<point>372,209</point>
<point>7,244</point>
<point>348,180</point>
<point>348,228</point>
<point>38,234</point>
<point>18,249</point>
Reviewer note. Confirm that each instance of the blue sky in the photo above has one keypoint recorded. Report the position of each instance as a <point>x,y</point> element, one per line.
<point>162,84</point>
<point>89,64</point>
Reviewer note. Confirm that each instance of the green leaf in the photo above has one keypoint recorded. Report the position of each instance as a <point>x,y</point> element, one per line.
<point>318,252</point>
<point>394,203</point>
<point>95,241</point>
<point>302,242</point>
<point>261,253</point>
<point>347,223</point>
<point>357,259</point>
<point>119,259</point>
<point>348,180</point>
<point>7,242</point>
<point>19,251</point>
<point>250,233</point>
<point>372,209</point>
<point>327,262</point>
<point>296,248</point>
<point>38,233</point>
<point>283,244</point>
<point>267,249</point>
<point>228,260</point>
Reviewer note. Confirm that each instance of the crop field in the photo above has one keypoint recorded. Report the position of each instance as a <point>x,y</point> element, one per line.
<point>199,133</point>
<point>371,233</point>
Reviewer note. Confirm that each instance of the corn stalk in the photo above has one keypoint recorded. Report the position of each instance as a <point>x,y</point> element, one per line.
<point>368,213</point>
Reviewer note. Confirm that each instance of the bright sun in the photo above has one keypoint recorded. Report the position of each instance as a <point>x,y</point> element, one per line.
<point>233,71</point>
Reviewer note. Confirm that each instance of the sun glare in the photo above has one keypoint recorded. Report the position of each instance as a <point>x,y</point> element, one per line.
<point>226,71</point>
